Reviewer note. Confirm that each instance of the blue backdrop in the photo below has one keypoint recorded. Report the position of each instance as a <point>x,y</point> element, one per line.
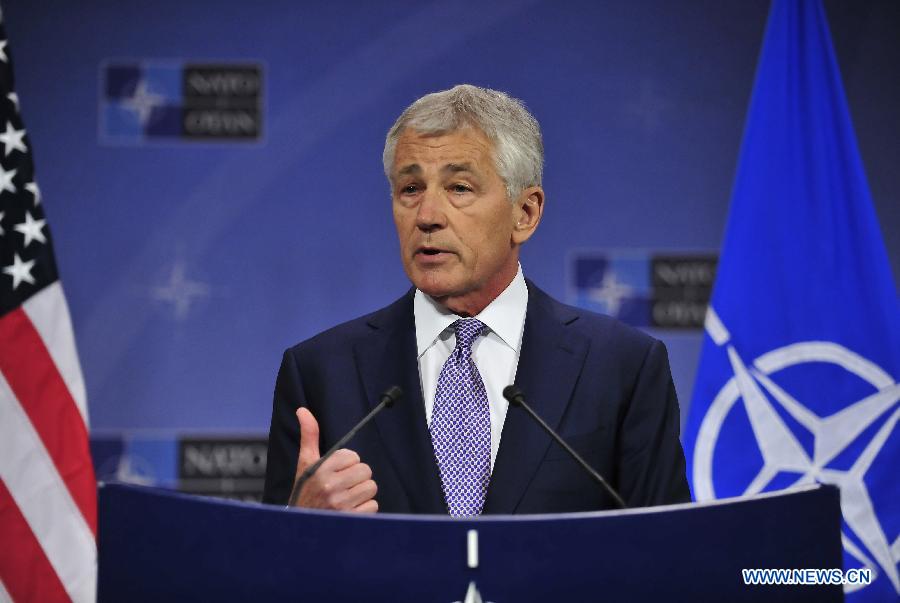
<point>642,105</point>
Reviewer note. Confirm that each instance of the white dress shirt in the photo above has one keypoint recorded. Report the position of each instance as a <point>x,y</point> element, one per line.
<point>495,352</point>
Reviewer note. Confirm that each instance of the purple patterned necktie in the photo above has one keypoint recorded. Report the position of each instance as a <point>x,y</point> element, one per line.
<point>461,426</point>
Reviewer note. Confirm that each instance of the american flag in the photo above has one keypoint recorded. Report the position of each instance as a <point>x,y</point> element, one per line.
<point>48,496</point>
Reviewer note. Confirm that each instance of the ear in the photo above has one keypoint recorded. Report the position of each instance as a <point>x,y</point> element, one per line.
<point>529,208</point>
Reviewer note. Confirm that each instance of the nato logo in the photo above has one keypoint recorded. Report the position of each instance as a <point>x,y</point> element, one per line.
<point>164,102</point>
<point>135,459</point>
<point>669,291</point>
<point>613,284</point>
<point>141,101</point>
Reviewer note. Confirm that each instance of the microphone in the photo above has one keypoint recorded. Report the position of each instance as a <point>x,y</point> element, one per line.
<point>390,397</point>
<point>515,397</point>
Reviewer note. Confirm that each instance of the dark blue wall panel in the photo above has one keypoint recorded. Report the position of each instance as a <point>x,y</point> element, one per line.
<point>642,106</point>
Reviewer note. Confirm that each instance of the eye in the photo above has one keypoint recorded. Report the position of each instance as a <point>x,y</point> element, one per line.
<point>460,188</point>
<point>409,189</point>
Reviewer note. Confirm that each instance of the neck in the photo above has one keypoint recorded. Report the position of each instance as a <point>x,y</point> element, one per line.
<point>473,302</point>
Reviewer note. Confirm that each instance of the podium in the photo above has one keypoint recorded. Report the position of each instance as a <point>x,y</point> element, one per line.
<point>158,545</point>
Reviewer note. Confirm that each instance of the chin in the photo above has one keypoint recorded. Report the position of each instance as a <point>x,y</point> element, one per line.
<point>434,283</point>
<point>438,291</point>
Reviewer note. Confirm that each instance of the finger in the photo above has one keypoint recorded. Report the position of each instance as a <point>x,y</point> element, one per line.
<point>342,490</point>
<point>309,439</point>
<point>335,493</point>
<point>370,506</point>
<point>357,495</point>
<point>335,484</point>
<point>354,475</point>
<point>360,493</point>
<point>341,460</point>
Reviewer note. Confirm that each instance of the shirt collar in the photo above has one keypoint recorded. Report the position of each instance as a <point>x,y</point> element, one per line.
<point>504,316</point>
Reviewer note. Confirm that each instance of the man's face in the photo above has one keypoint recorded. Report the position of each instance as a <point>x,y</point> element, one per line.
<point>459,232</point>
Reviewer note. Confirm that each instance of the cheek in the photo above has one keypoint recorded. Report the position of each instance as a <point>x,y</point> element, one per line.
<point>495,235</point>
<point>403,222</point>
<point>398,212</point>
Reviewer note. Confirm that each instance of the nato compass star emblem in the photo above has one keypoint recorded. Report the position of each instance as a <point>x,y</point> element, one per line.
<point>180,290</point>
<point>611,292</point>
<point>143,102</point>
<point>781,450</point>
<point>472,593</point>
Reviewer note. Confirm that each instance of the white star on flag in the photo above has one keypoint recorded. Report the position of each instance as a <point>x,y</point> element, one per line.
<point>20,271</point>
<point>6,183</point>
<point>12,139</point>
<point>2,213</point>
<point>32,188</point>
<point>31,228</point>
<point>14,99</point>
<point>3,51</point>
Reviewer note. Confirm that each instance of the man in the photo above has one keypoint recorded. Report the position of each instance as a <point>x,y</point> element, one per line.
<point>464,166</point>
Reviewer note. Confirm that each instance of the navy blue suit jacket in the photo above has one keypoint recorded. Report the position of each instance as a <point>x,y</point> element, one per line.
<point>604,386</point>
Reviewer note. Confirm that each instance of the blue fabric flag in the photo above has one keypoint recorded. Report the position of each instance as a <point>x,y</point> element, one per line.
<point>798,374</point>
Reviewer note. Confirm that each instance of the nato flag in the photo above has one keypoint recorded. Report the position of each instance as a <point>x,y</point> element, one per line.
<point>798,373</point>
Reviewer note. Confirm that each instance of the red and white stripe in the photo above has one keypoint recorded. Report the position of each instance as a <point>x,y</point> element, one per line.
<point>48,500</point>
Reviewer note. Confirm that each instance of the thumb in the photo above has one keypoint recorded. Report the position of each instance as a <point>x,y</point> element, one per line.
<point>309,439</point>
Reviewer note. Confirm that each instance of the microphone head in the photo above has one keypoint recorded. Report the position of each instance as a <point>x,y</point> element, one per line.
<point>513,395</point>
<point>391,396</point>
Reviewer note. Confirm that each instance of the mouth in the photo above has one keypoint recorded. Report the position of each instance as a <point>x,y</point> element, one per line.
<point>431,254</point>
<point>428,250</point>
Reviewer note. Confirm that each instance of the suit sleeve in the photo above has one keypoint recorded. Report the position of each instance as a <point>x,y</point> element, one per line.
<point>284,433</point>
<point>651,461</point>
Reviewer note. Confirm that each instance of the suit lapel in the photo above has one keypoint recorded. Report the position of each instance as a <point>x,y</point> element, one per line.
<point>550,362</point>
<point>388,357</point>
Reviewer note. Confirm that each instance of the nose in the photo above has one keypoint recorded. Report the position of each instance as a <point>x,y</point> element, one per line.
<point>430,215</point>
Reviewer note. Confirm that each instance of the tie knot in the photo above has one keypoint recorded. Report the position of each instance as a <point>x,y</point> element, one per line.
<point>467,330</point>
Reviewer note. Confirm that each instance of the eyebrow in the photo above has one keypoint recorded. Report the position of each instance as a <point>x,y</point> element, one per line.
<point>454,168</point>
<point>415,169</point>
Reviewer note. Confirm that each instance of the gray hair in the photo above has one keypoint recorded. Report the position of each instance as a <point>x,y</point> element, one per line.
<point>518,149</point>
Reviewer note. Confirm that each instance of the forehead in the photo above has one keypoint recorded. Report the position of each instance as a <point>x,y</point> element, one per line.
<point>466,145</point>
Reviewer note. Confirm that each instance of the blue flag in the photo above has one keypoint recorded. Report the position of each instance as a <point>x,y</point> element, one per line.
<point>798,373</point>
